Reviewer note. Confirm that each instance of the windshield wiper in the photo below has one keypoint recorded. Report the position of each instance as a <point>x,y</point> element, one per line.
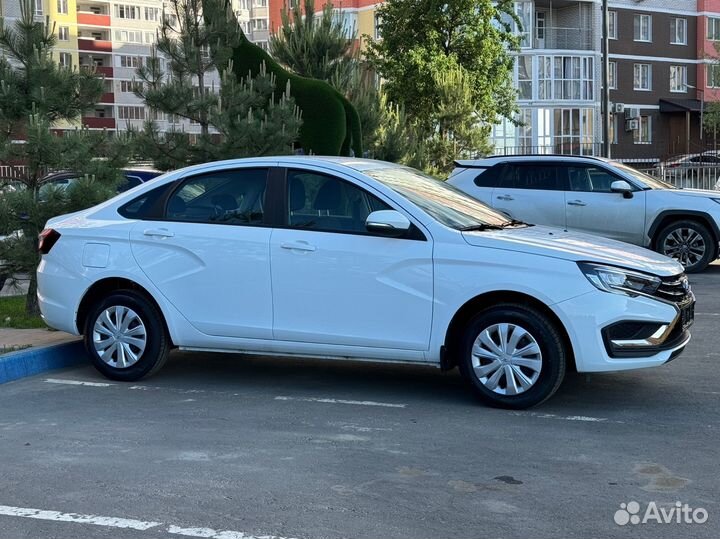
<point>483,226</point>
<point>515,222</point>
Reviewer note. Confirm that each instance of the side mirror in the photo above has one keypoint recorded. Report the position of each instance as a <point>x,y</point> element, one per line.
<point>387,222</point>
<point>621,186</point>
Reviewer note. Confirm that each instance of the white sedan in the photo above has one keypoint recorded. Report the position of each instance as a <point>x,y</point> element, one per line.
<point>353,259</point>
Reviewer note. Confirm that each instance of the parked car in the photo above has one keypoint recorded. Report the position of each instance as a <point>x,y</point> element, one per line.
<point>709,158</point>
<point>353,259</point>
<point>133,178</point>
<point>598,196</point>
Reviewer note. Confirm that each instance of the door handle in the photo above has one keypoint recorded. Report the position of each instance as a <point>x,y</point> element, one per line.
<point>505,197</point>
<point>158,232</point>
<point>577,203</point>
<point>298,246</point>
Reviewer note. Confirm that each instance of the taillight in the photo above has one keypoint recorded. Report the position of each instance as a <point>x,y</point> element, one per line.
<point>47,239</point>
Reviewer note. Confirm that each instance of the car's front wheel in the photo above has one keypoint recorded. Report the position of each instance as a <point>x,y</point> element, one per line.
<point>688,242</point>
<point>512,356</point>
<point>125,336</point>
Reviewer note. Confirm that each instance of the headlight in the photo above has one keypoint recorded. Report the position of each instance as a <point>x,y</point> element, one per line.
<point>619,280</point>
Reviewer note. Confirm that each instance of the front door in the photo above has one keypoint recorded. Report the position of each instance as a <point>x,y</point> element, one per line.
<point>209,253</point>
<point>335,283</point>
<point>592,207</point>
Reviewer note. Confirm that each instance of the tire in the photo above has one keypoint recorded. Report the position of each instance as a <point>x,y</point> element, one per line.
<point>535,329</point>
<point>683,241</point>
<point>144,323</point>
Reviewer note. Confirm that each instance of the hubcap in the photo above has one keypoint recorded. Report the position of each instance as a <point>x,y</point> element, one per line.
<point>119,337</point>
<point>685,245</point>
<point>506,358</point>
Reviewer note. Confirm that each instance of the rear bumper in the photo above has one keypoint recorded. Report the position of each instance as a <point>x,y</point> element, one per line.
<point>589,319</point>
<point>58,295</point>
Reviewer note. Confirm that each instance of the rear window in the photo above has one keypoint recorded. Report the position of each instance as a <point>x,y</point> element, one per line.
<point>489,177</point>
<point>140,207</point>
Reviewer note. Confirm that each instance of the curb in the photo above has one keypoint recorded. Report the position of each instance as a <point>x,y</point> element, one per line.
<point>31,361</point>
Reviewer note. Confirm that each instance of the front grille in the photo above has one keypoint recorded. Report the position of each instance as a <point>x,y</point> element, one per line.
<point>675,289</point>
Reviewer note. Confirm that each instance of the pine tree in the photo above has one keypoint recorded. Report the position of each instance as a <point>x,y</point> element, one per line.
<point>316,46</point>
<point>236,118</point>
<point>36,97</point>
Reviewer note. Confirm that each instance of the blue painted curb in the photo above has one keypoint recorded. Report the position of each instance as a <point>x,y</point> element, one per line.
<point>31,361</point>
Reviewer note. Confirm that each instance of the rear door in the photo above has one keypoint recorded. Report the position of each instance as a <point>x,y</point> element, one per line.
<point>208,252</point>
<point>592,207</point>
<point>532,192</point>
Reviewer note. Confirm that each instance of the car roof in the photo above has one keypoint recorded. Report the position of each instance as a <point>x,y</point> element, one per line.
<point>494,159</point>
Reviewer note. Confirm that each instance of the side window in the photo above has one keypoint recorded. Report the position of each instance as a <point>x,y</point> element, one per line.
<point>591,179</point>
<point>142,206</point>
<point>490,177</point>
<point>548,177</point>
<point>232,197</point>
<point>320,202</point>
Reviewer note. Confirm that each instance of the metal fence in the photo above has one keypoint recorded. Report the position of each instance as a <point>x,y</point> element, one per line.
<point>688,177</point>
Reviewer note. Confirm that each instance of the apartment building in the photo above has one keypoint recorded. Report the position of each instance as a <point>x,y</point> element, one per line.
<point>114,38</point>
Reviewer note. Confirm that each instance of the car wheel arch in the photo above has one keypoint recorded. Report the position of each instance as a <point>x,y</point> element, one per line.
<point>665,218</point>
<point>106,286</point>
<point>484,301</point>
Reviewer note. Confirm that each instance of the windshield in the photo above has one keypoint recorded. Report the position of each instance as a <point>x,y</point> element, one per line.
<point>441,201</point>
<point>644,179</point>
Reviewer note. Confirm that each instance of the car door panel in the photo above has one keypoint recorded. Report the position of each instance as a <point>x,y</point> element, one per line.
<point>216,275</point>
<point>592,208</point>
<point>347,287</point>
<point>532,193</point>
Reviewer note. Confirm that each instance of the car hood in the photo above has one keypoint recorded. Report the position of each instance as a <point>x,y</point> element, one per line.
<point>703,193</point>
<point>575,246</point>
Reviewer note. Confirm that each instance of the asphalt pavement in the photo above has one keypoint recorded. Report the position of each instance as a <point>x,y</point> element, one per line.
<point>231,447</point>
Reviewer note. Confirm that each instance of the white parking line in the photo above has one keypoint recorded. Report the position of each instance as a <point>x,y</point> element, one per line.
<point>584,418</point>
<point>76,382</point>
<point>111,522</point>
<point>340,401</point>
<point>114,522</point>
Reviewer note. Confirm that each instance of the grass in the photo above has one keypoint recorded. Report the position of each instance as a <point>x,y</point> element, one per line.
<point>12,314</point>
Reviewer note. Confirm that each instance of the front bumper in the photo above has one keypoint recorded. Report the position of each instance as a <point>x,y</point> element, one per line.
<point>612,332</point>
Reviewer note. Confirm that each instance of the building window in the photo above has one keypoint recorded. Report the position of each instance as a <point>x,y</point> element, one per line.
<point>131,113</point>
<point>128,61</point>
<point>678,31</point>
<point>573,131</point>
<point>37,7</point>
<point>678,79</point>
<point>643,134</point>
<point>565,77</point>
<point>131,86</point>
<point>63,33</point>
<point>713,28</point>
<point>260,3</point>
<point>123,11</point>
<point>259,24</point>
<point>642,28</point>
<point>642,77</point>
<point>129,36</point>
<point>376,25</point>
<point>65,59</point>
<point>503,136</point>
<point>263,45</point>
<point>524,12</point>
<point>525,77</point>
<point>62,6</point>
<point>612,25</point>
<point>612,76</point>
<point>713,75</point>
<point>615,119</point>
<point>152,14</point>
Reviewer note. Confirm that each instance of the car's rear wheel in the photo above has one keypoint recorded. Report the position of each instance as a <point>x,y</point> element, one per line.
<point>512,356</point>
<point>688,242</point>
<point>125,337</point>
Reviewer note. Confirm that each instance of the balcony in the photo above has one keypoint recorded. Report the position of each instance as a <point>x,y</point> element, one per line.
<point>93,122</point>
<point>94,45</point>
<point>107,97</point>
<point>92,19</point>
<point>100,70</point>
<point>572,39</point>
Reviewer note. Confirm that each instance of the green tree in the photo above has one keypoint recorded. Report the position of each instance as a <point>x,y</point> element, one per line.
<point>37,97</point>
<point>237,118</point>
<point>316,46</point>
<point>428,48</point>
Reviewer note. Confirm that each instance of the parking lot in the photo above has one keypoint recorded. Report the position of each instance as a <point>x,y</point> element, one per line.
<point>229,447</point>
